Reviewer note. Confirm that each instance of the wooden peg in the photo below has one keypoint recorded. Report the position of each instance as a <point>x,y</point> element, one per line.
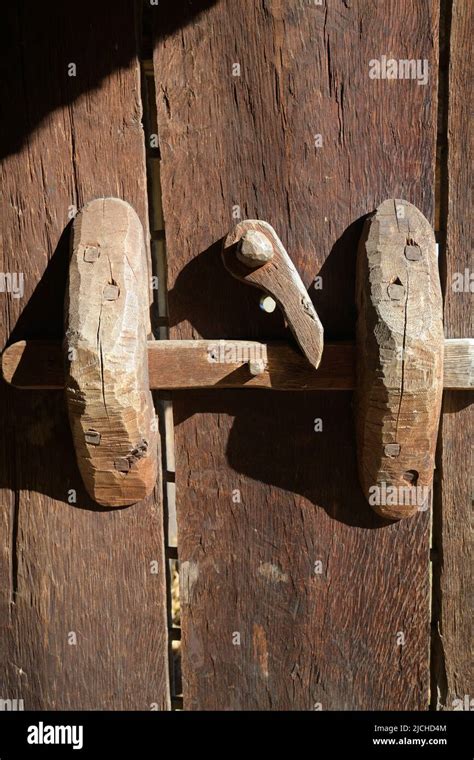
<point>105,348</point>
<point>253,253</point>
<point>400,346</point>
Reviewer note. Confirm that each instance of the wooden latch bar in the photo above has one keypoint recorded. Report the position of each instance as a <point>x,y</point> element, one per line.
<point>185,365</point>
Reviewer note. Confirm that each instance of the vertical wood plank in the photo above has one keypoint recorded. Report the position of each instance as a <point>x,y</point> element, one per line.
<point>294,595</point>
<point>83,607</point>
<point>453,580</point>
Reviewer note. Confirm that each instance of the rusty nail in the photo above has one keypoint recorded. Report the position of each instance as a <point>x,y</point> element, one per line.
<point>413,252</point>
<point>392,450</point>
<point>111,292</point>
<point>396,292</point>
<point>92,437</point>
<point>122,464</point>
<point>91,254</point>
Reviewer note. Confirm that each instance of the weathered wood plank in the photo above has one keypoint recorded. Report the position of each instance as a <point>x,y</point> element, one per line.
<point>294,595</point>
<point>82,612</point>
<point>452,684</point>
<point>173,364</point>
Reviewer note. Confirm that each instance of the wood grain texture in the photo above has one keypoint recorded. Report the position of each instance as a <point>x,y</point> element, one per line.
<point>400,348</point>
<point>280,279</point>
<point>452,572</point>
<point>83,622</point>
<point>113,421</point>
<point>311,635</point>
<point>174,364</point>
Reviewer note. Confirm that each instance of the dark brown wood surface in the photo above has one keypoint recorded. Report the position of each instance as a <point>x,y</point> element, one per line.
<point>82,613</point>
<point>452,686</point>
<point>294,594</point>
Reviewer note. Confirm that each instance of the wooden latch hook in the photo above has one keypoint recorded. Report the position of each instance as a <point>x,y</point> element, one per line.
<point>253,253</point>
<point>107,366</point>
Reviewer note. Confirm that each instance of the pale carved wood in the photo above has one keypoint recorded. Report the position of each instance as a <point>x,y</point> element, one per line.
<point>275,274</point>
<point>400,346</point>
<point>105,348</point>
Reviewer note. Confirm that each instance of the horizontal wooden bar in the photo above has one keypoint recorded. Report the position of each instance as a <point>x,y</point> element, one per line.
<point>187,364</point>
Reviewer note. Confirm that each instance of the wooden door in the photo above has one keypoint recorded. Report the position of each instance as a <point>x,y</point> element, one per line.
<point>83,616</point>
<point>293,594</point>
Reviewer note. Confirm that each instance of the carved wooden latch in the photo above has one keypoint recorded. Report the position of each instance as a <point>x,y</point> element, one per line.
<point>107,364</point>
<point>400,350</point>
